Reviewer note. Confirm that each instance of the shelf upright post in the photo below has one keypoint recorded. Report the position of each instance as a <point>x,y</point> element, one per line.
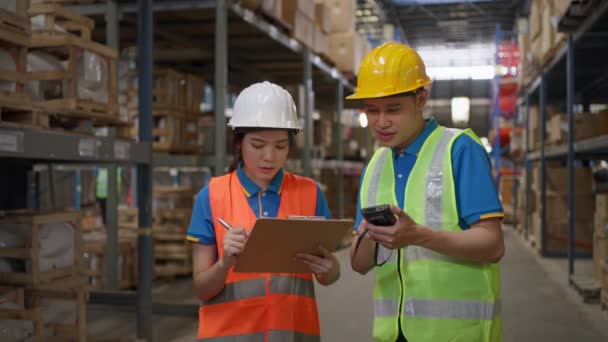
<point>339,148</point>
<point>111,252</point>
<point>527,168</point>
<point>221,80</point>
<point>543,161</point>
<point>145,58</point>
<point>308,104</point>
<point>570,98</point>
<point>496,111</point>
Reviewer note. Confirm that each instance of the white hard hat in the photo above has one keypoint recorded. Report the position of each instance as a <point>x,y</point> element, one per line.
<point>264,105</point>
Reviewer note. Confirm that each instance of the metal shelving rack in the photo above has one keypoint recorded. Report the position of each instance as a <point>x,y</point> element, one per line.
<point>328,85</point>
<point>580,71</point>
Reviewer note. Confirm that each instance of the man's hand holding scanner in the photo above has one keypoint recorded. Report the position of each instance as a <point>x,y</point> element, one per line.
<point>403,233</point>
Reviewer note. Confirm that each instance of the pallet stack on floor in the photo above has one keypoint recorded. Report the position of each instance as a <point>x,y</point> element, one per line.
<point>95,241</point>
<point>556,207</point>
<point>176,109</point>
<point>600,247</point>
<point>43,292</point>
<point>54,76</point>
<point>172,211</point>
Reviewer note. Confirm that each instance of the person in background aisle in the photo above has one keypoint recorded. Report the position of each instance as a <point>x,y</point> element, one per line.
<point>101,188</point>
<point>437,277</point>
<point>256,306</point>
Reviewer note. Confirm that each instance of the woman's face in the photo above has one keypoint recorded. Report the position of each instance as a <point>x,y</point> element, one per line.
<point>264,153</point>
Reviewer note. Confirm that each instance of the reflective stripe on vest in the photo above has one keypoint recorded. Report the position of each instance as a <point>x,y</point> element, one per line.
<point>438,308</point>
<point>433,208</point>
<point>257,287</point>
<point>273,336</point>
<point>438,295</point>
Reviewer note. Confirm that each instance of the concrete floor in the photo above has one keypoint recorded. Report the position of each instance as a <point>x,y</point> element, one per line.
<point>538,305</point>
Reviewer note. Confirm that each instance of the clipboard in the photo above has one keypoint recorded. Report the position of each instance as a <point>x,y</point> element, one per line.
<point>273,243</point>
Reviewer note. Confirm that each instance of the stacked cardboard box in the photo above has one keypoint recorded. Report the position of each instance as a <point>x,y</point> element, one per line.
<point>346,47</point>
<point>600,234</point>
<point>556,208</point>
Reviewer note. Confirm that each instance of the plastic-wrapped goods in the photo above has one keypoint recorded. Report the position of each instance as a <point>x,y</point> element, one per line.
<point>58,311</point>
<point>92,77</point>
<point>56,246</point>
<point>14,330</point>
<point>9,5</point>
<point>56,242</point>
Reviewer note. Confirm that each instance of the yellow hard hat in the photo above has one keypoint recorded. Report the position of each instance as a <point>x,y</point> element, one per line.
<point>390,69</point>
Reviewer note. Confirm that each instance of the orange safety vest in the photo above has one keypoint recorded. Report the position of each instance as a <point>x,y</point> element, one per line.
<point>265,307</point>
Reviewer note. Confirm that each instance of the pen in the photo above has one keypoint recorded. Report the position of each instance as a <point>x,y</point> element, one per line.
<point>225,224</point>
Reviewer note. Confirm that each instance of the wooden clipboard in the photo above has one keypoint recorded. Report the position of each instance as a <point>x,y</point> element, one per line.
<point>273,243</point>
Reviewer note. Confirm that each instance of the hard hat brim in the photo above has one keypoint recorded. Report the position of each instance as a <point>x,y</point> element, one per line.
<point>362,96</point>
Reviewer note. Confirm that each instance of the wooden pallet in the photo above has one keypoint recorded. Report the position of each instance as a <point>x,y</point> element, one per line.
<point>70,50</point>
<point>172,91</point>
<point>60,21</point>
<point>95,258</point>
<point>588,287</point>
<point>15,26</point>
<point>33,302</point>
<point>15,74</point>
<point>128,218</point>
<point>32,222</point>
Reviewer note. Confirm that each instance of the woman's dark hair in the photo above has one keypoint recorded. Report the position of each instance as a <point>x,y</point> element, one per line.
<point>237,142</point>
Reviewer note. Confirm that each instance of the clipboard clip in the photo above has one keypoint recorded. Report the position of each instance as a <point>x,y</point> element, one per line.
<point>303,217</point>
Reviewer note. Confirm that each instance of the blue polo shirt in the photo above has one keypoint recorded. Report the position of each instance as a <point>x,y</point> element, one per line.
<point>476,195</point>
<point>264,203</point>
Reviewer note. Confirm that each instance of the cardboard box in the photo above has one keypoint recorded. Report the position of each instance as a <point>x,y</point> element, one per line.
<point>320,42</point>
<point>600,253</point>
<point>555,131</point>
<point>304,29</point>
<point>557,208</point>
<point>536,18</point>
<point>345,50</point>
<point>590,125</point>
<point>292,8</point>
<point>557,235</point>
<point>342,15</point>
<point>557,180</point>
<point>273,8</point>
<point>323,16</point>
<point>601,208</point>
<point>547,34</point>
<point>506,190</point>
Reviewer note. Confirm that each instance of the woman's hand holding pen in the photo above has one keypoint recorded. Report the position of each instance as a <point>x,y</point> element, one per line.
<point>234,242</point>
<point>325,267</point>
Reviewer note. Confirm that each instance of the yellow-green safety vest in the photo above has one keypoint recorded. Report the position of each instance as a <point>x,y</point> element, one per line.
<point>433,297</point>
<point>102,182</point>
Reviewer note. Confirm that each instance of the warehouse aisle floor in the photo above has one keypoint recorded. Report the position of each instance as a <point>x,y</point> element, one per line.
<point>538,305</point>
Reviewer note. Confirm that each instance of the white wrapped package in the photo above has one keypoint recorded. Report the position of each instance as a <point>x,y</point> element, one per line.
<point>58,311</point>
<point>14,330</point>
<point>56,246</point>
<point>8,64</point>
<point>93,77</point>
<point>56,241</point>
<point>9,5</point>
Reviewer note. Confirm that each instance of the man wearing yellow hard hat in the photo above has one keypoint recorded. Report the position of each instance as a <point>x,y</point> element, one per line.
<point>437,235</point>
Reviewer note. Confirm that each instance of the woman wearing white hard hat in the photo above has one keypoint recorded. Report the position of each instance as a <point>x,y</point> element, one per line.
<point>256,306</point>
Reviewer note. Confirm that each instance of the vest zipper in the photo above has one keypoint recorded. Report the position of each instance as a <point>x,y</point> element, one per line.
<point>401,293</point>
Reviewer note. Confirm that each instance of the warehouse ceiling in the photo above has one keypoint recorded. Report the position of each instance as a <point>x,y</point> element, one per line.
<point>441,22</point>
